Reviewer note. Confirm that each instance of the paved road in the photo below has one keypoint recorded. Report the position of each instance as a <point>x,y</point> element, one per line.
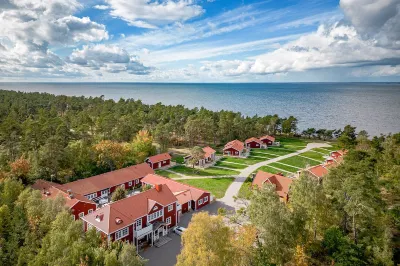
<point>234,188</point>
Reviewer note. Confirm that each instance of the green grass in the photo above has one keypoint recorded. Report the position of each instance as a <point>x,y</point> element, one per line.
<point>167,174</point>
<point>277,151</point>
<point>245,189</point>
<point>217,186</point>
<point>264,155</point>
<point>284,167</point>
<point>299,161</point>
<point>230,165</point>
<point>211,171</point>
<point>178,159</point>
<point>240,160</point>
<point>322,151</point>
<point>272,170</point>
<point>313,155</point>
<point>293,141</point>
<point>333,148</point>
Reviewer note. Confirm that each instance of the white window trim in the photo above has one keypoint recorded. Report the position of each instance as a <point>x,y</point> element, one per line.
<point>90,211</point>
<point>206,199</point>
<point>81,214</point>
<point>91,196</point>
<point>130,183</point>
<point>170,207</point>
<point>139,223</point>
<point>155,215</point>
<point>122,233</point>
<point>137,181</point>
<point>200,202</point>
<point>168,220</point>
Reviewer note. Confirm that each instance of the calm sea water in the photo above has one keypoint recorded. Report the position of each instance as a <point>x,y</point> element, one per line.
<point>374,107</point>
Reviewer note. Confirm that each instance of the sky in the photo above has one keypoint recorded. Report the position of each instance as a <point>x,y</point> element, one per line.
<point>200,40</point>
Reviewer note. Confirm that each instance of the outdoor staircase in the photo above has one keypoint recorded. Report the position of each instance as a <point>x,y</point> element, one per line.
<point>162,241</point>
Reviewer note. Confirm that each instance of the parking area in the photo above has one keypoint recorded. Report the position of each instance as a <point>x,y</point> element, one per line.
<point>166,255</point>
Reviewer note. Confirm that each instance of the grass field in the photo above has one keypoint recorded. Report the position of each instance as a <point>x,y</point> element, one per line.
<point>272,170</point>
<point>284,167</point>
<point>314,155</point>
<point>262,154</point>
<point>247,161</point>
<point>321,150</point>
<point>167,174</point>
<point>299,161</point>
<point>230,165</point>
<point>211,171</point>
<point>293,141</point>
<point>217,186</point>
<point>277,151</point>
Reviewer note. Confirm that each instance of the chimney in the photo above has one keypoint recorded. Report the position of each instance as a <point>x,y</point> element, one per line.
<point>70,194</point>
<point>158,187</point>
<point>99,217</point>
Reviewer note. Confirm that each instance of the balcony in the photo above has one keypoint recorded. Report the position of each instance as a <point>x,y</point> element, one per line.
<point>144,231</point>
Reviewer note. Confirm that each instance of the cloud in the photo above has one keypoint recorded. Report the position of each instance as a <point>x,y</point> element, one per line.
<point>109,58</point>
<point>101,7</point>
<point>29,28</point>
<point>149,14</point>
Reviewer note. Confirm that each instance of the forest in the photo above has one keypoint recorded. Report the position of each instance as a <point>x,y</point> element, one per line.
<point>63,138</point>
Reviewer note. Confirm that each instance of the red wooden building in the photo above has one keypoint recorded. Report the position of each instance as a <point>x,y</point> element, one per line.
<point>104,185</point>
<point>140,219</point>
<point>78,204</point>
<point>282,183</point>
<point>268,140</point>
<point>254,143</point>
<point>188,197</point>
<point>234,148</point>
<point>159,160</point>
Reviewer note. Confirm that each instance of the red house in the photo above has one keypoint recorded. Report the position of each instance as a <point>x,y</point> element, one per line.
<point>268,140</point>
<point>78,204</point>
<point>159,160</point>
<point>282,183</point>
<point>254,143</point>
<point>140,219</point>
<point>105,184</point>
<point>209,156</point>
<point>188,197</point>
<point>318,171</point>
<point>234,148</point>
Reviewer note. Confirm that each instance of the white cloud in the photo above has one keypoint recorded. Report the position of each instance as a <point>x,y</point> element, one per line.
<point>101,7</point>
<point>109,58</point>
<point>149,14</point>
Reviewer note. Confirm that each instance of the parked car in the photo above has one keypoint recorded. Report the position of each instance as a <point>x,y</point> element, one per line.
<point>179,230</point>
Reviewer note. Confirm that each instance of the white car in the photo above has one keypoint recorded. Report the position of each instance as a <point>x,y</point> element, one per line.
<point>179,230</point>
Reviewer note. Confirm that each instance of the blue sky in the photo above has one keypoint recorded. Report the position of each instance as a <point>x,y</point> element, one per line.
<point>200,40</point>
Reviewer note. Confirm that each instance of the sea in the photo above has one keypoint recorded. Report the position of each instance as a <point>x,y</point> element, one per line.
<point>374,107</point>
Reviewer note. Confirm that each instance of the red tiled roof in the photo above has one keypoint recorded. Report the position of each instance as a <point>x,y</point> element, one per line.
<point>110,179</point>
<point>271,138</point>
<point>159,157</point>
<point>235,144</point>
<point>208,151</point>
<point>52,190</point>
<point>281,182</point>
<point>318,170</point>
<point>129,209</point>
<point>253,140</point>
<point>180,190</point>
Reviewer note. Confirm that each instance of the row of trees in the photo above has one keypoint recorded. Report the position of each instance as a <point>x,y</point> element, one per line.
<point>64,138</point>
<point>42,232</point>
<point>351,218</point>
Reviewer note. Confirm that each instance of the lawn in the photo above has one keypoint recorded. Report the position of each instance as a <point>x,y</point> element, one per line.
<point>321,150</point>
<point>314,155</point>
<point>230,165</point>
<point>167,174</point>
<point>299,161</point>
<point>245,161</point>
<point>245,189</point>
<point>293,141</point>
<point>211,171</point>
<point>284,167</point>
<point>261,154</point>
<point>272,170</point>
<point>277,151</point>
<point>217,186</point>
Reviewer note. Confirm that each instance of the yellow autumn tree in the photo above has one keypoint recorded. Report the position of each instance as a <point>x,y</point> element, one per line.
<point>143,146</point>
<point>300,258</point>
<point>20,168</point>
<point>208,241</point>
<point>111,154</point>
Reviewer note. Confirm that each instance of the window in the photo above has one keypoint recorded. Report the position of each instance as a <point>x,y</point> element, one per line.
<point>104,192</point>
<point>139,224</point>
<point>200,201</point>
<point>123,186</point>
<point>121,233</point>
<point>137,181</point>
<point>81,214</point>
<point>130,183</point>
<point>170,207</point>
<point>205,199</point>
<point>168,220</point>
<point>155,215</point>
<point>91,196</point>
<point>90,211</point>
<point>89,226</point>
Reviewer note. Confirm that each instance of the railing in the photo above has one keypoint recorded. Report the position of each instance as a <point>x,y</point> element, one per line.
<point>144,231</point>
